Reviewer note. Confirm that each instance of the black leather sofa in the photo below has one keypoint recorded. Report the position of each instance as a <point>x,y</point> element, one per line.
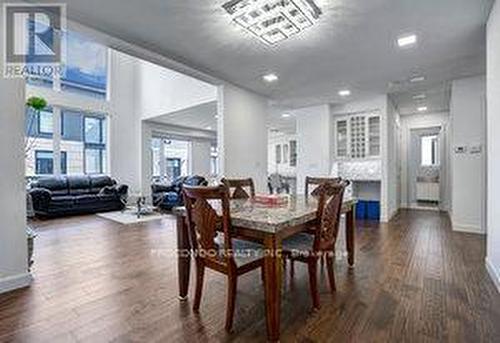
<point>168,196</point>
<point>71,195</point>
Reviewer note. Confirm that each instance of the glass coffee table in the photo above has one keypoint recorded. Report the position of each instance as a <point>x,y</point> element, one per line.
<point>140,208</point>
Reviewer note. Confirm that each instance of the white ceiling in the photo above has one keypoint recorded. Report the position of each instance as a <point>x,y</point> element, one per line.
<point>202,117</point>
<point>437,99</point>
<point>352,46</point>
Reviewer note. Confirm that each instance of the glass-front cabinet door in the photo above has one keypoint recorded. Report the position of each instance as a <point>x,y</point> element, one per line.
<point>374,136</point>
<point>357,136</point>
<point>342,138</point>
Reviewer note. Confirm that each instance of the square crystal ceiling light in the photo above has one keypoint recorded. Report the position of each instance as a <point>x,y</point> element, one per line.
<point>273,21</point>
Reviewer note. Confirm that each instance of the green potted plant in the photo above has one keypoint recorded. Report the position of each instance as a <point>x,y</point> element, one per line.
<point>37,104</point>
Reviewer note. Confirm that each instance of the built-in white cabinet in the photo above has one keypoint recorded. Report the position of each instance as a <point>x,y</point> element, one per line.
<point>357,136</point>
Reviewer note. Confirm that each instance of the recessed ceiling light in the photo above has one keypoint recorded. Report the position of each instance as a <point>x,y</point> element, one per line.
<point>216,116</point>
<point>345,92</point>
<point>407,41</point>
<point>286,115</point>
<point>422,108</point>
<point>273,21</point>
<point>419,96</point>
<point>208,128</point>
<point>417,78</point>
<point>270,77</point>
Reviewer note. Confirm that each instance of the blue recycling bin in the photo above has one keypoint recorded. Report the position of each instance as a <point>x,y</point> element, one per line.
<point>373,210</point>
<point>361,209</point>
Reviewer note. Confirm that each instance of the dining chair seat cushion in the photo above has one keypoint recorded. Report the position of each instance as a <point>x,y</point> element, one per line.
<point>244,251</point>
<point>301,242</point>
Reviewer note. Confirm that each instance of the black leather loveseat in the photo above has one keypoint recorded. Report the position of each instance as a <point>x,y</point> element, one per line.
<point>70,195</point>
<point>168,196</point>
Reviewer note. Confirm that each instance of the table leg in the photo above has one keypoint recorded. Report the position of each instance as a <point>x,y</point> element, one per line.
<point>272,287</point>
<point>349,235</point>
<point>183,257</point>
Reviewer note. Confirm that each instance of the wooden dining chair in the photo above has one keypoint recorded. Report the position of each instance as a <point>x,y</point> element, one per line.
<point>309,248</point>
<point>222,253</point>
<point>316,181</point>
<point>237,188</point>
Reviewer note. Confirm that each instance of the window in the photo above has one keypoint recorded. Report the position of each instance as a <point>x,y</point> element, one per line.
<point>169,158</point>
<point>45,162</point>
<point>94,161</point>
<point>214,165</point>
<point>71,125</point>
<point>39,123</point>
<point>429,150</point>
<point>83,135</point>
<point>83,142</point>
<point>176,157</point>
<point>37,77</point>
<point>285,153</point>
<point>293,153</point>
<point>278,154</point>
<point>93,130</point>
<point>156,145</point>
<point>45,122</point>
<point>86,66</point>
<point>174,167</point>
<point>95,144</point>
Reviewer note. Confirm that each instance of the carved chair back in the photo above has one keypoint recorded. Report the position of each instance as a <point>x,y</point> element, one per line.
<point>316,181</point>
<point>330,199</point>
<point>237,188</point>
<point>202,205</point>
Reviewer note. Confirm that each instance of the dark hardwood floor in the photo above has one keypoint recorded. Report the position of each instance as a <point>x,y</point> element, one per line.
<point>97,281</point>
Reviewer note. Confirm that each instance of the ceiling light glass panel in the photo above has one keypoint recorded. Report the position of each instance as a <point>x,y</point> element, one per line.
<point>273,20</point>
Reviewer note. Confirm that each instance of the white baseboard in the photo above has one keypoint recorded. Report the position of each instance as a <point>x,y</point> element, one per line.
<point>11,283</point>
<point>494,273</point>
<point>467,228</point>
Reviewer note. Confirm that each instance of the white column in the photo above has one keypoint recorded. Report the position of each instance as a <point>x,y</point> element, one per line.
<point>13,246</point>
<point>163,159</point>
<point>242,135</point>
<point>200,158</point>
<point>314,143</point>
<point>56,137</point>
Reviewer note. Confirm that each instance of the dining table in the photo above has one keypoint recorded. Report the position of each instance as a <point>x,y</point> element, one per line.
<point>269,224</point>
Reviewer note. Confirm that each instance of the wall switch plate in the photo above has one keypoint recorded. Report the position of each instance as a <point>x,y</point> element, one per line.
<point>475,149</point>
<point>462,149</point>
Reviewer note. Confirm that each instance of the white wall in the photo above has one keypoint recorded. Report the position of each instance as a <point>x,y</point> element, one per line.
<point>136,88</point>
<point>493,125</point>
<point>125,122</point>
<point>242,134</point>
<point>314,143</point>
<point>13,247</point>
<point>467,113</point>
<point>162,90</point>
<point>393,168</point>
<point>421,121</point>
<point>200,158</point>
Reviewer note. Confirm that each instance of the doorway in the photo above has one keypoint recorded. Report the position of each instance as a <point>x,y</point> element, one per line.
<point>425,168</point>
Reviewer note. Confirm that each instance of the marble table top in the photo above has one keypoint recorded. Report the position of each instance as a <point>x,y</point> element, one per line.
<point>249,214</point>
